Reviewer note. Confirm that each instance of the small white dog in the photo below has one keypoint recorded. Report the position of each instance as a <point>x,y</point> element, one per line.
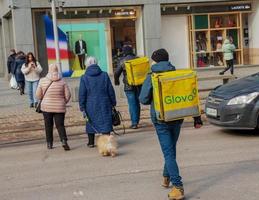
<point>107,145</point>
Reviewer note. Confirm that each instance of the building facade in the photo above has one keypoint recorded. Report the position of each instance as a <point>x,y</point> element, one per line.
<point>192,31</point>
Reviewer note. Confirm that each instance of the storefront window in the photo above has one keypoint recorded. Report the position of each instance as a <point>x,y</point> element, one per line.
<point>98,32</point>
<point>208,35</point>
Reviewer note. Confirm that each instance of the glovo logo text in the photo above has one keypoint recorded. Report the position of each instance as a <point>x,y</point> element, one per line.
<point>181,99</point>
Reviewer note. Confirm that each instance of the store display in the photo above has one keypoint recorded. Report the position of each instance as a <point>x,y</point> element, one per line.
<point>81,51</point>
<point>201,42</point>
<point>230,22</point>
<point>93,43</point>
<point>218,23</point>
<point>208,40</point>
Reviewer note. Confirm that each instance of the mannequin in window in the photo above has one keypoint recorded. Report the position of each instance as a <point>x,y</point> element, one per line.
<point>81,51</point>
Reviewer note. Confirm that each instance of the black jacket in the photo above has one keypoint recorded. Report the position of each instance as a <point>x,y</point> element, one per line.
<point>77,47</point>
<point>19,61</point>
<point>121,70</point>
<point>10,64</point>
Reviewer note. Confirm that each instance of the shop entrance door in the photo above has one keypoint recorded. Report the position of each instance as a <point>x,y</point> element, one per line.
<point>123,32</point>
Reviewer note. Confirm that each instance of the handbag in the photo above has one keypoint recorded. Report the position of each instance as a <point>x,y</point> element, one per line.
<point>117,120</point>
<point>116,117</point>
<point>38,108</point>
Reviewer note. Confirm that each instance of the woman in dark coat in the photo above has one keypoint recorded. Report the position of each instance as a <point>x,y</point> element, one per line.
<point>20,59</point>
<point>96,100</point>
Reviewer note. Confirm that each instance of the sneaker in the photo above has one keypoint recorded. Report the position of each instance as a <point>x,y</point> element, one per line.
<point>166,182</point>
<point>134,127</point>
<point>177,193</point>
<point>31,105</point>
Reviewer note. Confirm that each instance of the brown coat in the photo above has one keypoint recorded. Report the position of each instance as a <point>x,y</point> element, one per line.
<point>57,96</point>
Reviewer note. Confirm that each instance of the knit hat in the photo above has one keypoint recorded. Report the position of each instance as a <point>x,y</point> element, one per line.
<point>127,50</point>
<point>160,55</point>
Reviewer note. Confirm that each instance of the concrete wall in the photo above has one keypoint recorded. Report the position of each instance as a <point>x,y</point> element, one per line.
<point>22,26</point>
<point>16,27</point>
<point>7,41</point>
<point>152,28</point>
<point>176,40</point>
<point>2,64</point>
<point>4,7</point>
<point>84,3</point>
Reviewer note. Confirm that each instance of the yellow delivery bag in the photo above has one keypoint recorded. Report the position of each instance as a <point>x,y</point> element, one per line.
<point>137,70</point>
<point>175,95</point>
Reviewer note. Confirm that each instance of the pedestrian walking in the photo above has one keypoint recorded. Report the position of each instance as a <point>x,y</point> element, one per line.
<point>20,59</point>
<point>11,68</point>
<point>228,49</point>
<point>132,92</point>
<point>96,100</point>
<point>54,95</point>
<point>167,132</point>
<point>11,62</point>
<point>31,70</point>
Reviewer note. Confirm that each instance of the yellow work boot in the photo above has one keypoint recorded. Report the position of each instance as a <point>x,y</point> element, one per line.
<point>166,182</point>
<point>177,193</point>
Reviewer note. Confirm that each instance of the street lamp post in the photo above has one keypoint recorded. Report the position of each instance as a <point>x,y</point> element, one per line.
<point>56,38</point>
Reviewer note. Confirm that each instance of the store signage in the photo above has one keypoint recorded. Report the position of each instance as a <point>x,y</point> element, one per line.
<point>125,13</point>
<point>241,7</point>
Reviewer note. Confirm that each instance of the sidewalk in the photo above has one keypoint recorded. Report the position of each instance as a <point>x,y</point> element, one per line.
<point>19,122</point>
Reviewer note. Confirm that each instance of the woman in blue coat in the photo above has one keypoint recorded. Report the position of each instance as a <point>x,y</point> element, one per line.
<point>96,100</point>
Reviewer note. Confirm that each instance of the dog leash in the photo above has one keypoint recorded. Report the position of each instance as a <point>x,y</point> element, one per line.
<point>96,131</point>
<point>113,131</point>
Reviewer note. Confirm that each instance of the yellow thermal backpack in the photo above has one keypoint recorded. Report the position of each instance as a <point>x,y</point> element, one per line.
<point>137,70</point>
<point>175,95</point>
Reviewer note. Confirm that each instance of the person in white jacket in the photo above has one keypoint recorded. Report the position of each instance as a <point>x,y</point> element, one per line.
<point>31,70</point>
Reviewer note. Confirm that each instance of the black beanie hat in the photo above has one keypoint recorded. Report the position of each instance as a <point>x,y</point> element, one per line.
<point>127,50</point>
<point>160,55</point>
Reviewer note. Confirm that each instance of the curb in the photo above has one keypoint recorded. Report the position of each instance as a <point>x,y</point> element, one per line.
<point>40,140</point>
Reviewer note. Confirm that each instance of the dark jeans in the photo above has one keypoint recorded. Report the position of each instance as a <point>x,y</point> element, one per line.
<point>168,135</point>
<point>134,105</point>
<point>21,85</point>
<point>230,66</point>
<point>82,61</point>
<point>59,119</point>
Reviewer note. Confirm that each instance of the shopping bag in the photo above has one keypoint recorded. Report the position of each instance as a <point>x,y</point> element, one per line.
<point>175,95</point>
<point>137,70</point>
<point>13,82</point>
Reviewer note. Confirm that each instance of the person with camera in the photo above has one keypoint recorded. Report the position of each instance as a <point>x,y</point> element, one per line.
<point>31,70</point>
